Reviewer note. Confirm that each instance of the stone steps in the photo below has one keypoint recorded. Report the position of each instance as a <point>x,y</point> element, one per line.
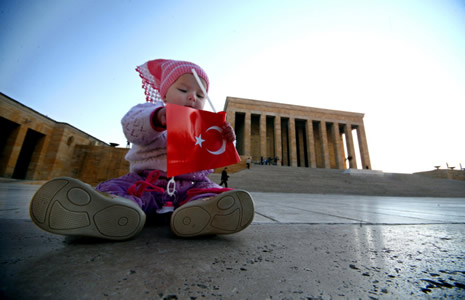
<point>281,179</point>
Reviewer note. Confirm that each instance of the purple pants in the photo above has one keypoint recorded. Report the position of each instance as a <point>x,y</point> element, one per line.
<point>150,201</point>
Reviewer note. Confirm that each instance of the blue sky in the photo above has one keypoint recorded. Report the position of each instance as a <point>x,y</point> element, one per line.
<point>402,63</point>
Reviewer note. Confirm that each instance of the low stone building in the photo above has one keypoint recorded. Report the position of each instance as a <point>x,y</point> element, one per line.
<point>35,147</point>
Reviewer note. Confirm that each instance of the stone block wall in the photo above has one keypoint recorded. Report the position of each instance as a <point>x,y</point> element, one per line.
<point>94,164</point>
<point>445,174</point>
<point>236,167</point>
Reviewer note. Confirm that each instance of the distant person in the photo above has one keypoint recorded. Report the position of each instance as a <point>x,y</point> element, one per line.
<point>261,160</point>
<point>224,178</point>
<point>117,208</point>
<point>248,163</point>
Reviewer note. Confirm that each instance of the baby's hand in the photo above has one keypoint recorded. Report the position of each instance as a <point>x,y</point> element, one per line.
<point>161,117</point>
<point>228,132</point>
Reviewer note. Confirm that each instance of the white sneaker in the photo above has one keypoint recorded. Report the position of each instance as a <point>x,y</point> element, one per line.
<point>68,206</point>
<point>225,213</point>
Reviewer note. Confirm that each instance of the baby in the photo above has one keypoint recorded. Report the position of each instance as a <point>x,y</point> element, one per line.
<point>116,209</point>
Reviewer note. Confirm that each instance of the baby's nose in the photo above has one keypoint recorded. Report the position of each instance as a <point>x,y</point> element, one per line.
<point>192,97</point>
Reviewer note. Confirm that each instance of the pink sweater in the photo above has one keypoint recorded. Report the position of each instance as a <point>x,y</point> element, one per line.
<point>148,145</point>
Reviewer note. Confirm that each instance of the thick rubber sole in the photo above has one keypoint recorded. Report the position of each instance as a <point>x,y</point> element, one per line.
<point>68,206</point>
<point>226,213</point>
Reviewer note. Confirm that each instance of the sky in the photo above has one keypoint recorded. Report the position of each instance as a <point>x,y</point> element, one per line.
<point>401,63</point>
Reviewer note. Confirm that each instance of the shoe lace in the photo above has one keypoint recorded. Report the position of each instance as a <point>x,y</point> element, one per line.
<point>147,185</point>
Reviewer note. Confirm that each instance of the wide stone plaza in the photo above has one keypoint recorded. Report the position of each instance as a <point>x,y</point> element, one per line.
<point>300,246</point>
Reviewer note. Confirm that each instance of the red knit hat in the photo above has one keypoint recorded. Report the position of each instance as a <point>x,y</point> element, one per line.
<point>159,74</point>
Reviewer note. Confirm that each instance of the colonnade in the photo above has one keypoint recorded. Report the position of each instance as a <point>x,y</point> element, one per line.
<point>298,136</point>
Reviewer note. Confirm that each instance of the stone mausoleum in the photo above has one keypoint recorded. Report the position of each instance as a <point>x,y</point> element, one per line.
<point>35,147</point>
<point>298,136</point>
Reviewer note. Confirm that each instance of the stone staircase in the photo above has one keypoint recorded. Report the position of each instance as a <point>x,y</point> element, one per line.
<point>279,179</point>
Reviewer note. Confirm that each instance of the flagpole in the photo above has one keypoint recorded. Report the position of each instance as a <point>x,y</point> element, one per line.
<point>203,89</point>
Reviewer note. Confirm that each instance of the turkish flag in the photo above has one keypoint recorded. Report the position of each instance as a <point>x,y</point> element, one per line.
<point>195,142</point>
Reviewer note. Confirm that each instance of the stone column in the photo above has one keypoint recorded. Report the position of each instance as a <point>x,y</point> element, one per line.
<point>311,145</point>
<point>14,145</point>
<point>363,146</point>
<point>324,145</point>
<point>40,171</point>
<point>247,133</point>
<point>263,135</point>
<point>277,139</point>
<point>231,118</point>
<point>350,146</point>
<point>338,146</point>
<point>292,142</point>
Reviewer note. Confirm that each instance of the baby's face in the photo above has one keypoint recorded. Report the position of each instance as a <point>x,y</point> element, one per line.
<point>186,91</point>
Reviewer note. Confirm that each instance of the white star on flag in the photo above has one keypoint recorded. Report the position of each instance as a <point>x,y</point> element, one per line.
<point>199,140</point>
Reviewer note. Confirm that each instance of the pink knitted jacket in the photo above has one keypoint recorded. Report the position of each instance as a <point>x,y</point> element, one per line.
<point>148,145</point>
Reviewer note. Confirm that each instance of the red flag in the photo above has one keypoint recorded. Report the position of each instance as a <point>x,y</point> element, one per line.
<point>195,142</point>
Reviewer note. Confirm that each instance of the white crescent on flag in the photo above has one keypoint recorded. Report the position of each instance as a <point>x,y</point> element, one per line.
<point>223,146</point>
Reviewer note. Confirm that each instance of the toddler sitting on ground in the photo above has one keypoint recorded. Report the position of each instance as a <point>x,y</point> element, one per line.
<point>116,209</point>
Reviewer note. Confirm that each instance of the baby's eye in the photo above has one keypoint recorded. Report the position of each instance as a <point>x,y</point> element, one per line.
<point>182,90</point>
<point>200,96</point>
